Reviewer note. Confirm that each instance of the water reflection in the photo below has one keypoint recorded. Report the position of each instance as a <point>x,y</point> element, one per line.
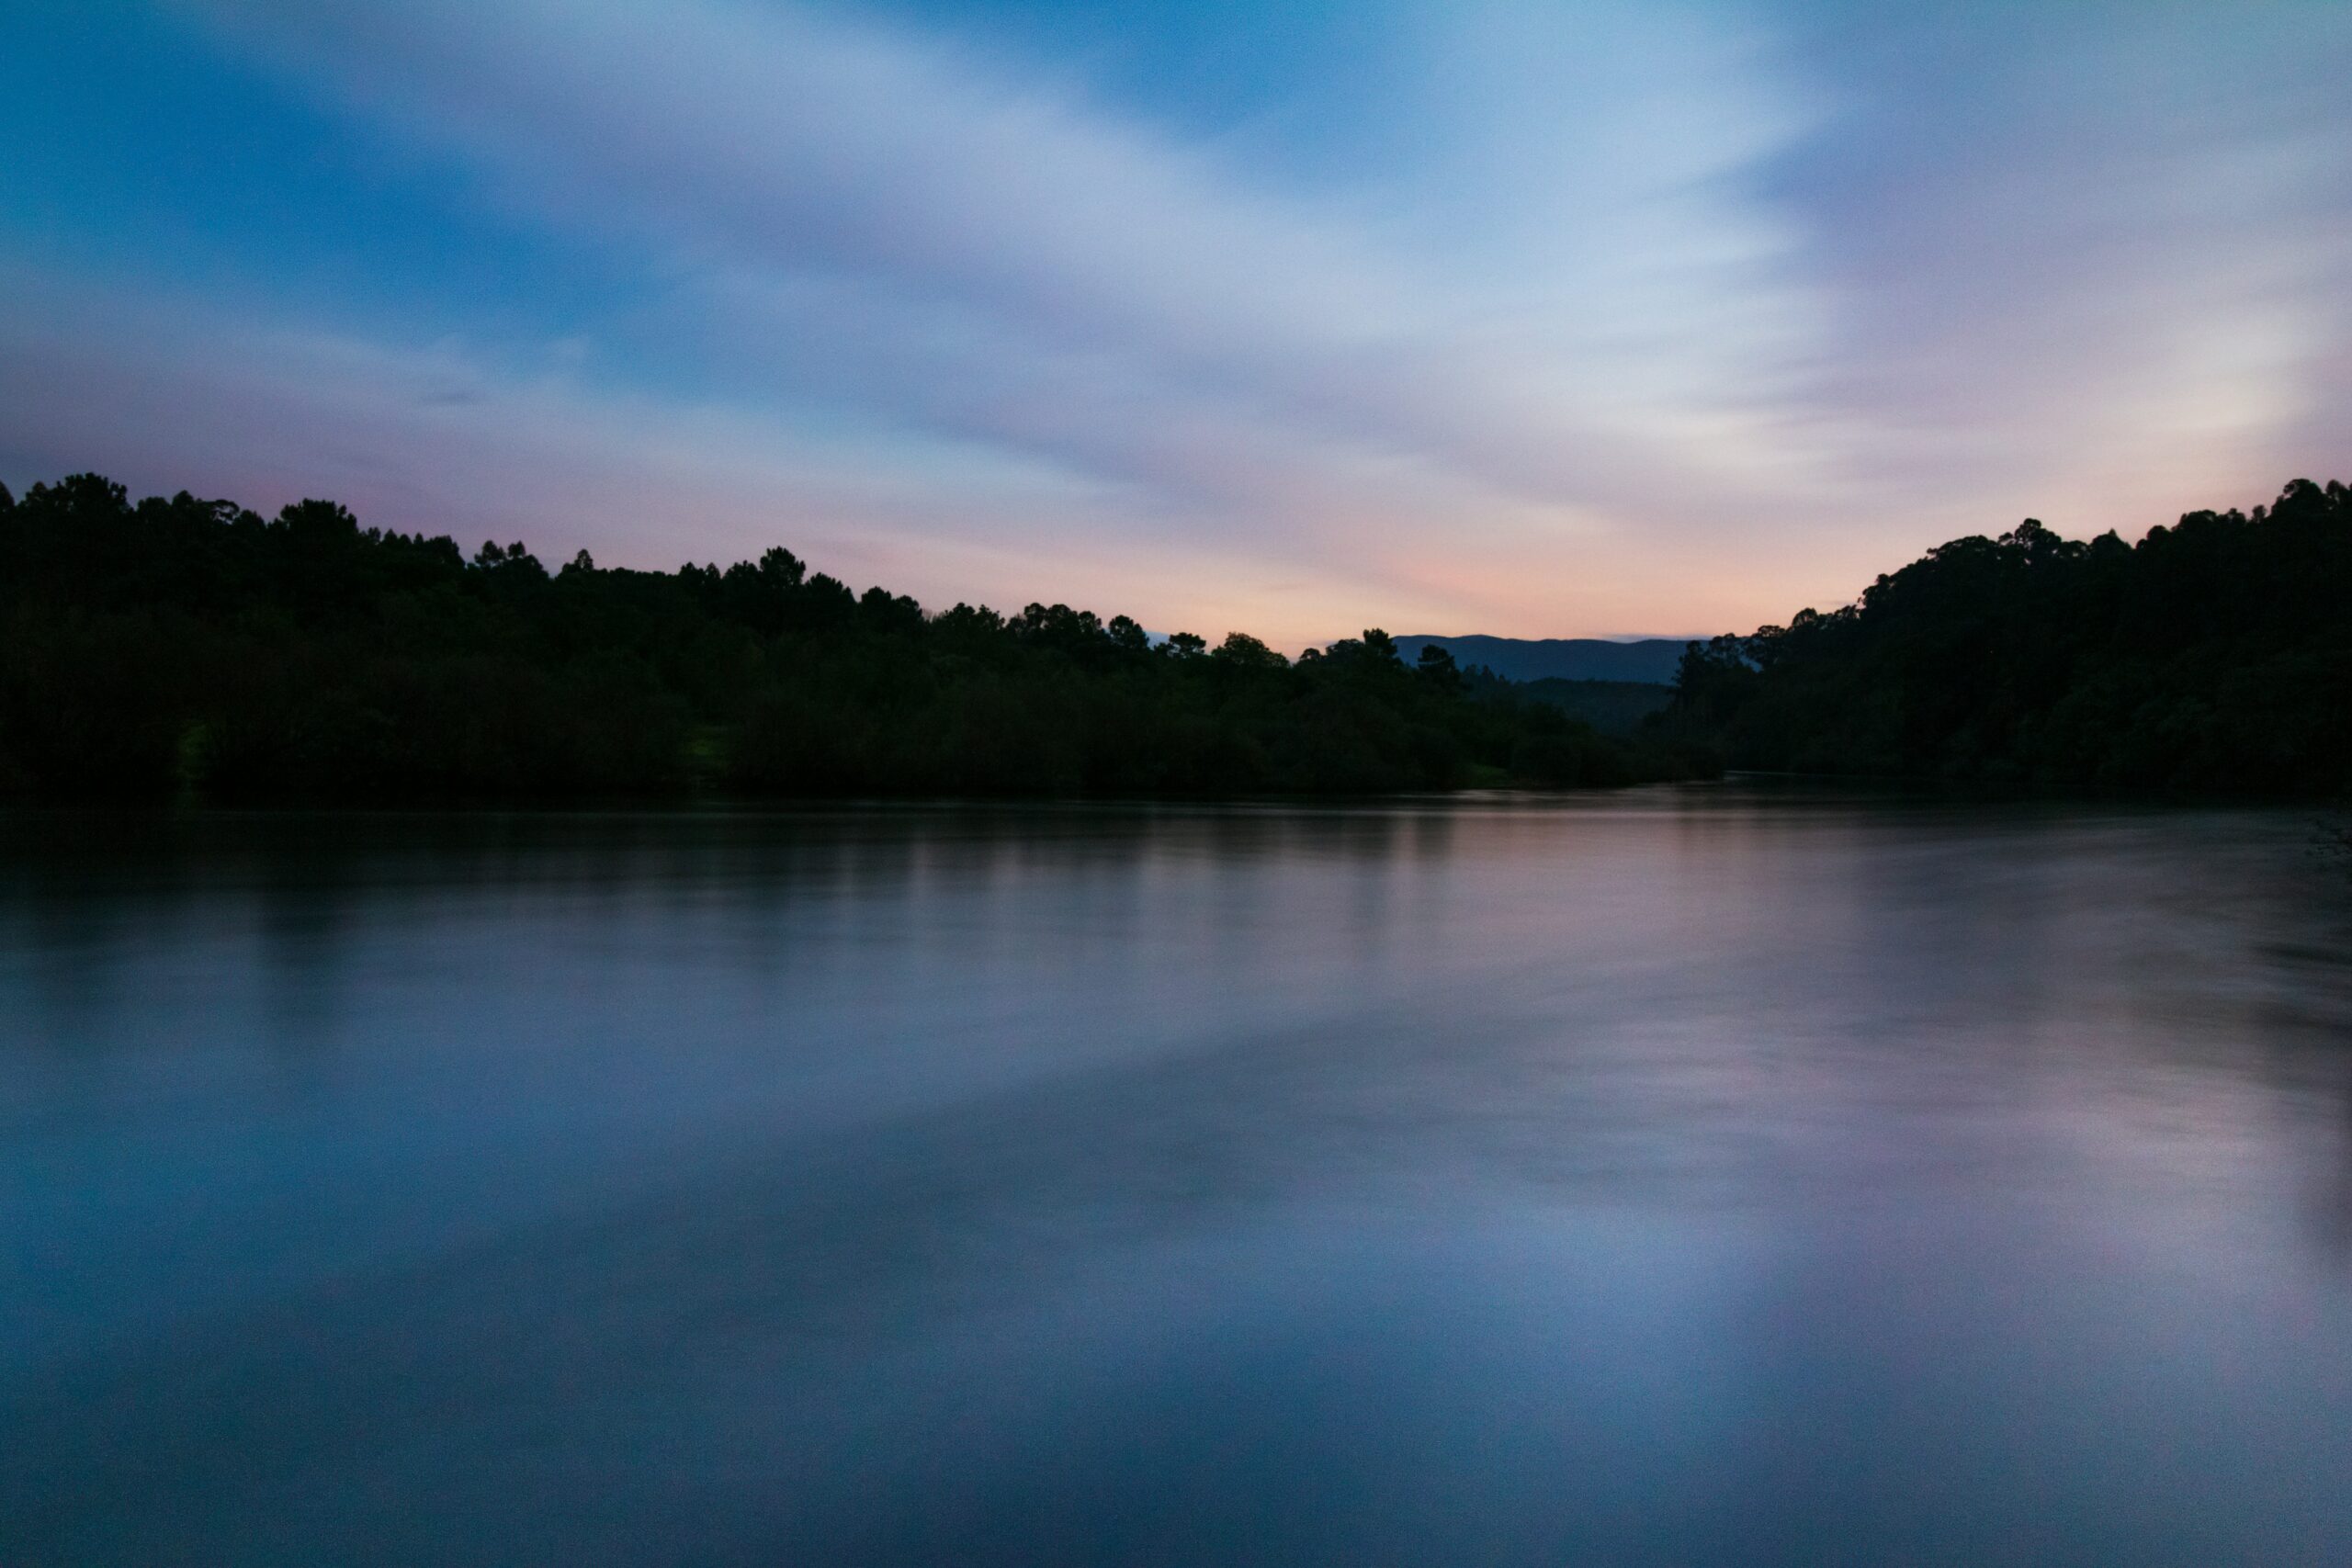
<point>1677,1175</point>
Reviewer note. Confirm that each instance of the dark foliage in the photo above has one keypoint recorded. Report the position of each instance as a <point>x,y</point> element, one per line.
<point>1612,707</point>
<point>191,644</point>
<point>2213,657</point>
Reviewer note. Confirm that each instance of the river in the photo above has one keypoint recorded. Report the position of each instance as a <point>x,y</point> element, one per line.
<point>1693,1176</point>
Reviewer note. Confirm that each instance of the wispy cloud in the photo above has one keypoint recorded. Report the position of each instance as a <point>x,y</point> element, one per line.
<point>2088,259</point>
<point>797,144</point>
<point>1641,315</point>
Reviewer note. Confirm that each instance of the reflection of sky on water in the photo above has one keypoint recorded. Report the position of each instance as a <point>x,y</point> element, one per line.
<point>1655,1176</point>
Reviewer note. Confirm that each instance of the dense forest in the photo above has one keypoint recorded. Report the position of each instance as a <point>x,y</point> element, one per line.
<point>2213,657</point>
<point>1612,707</point>
<point>182,644</point>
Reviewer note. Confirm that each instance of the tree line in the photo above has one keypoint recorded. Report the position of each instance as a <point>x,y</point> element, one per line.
<point>2214,657</point>
<point>181,644</point>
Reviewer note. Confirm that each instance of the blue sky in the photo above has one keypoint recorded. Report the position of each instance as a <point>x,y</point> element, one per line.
<point>1536,319</point>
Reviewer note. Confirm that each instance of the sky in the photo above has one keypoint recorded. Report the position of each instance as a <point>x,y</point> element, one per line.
<point>1531,319</point>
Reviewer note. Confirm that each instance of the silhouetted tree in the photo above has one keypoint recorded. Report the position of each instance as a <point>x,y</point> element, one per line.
<point>1437,667</point>
<point>2214,656</point>
<point>189,644</point>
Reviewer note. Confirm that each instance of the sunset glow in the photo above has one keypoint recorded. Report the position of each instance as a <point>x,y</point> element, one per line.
<point>1541,321</point>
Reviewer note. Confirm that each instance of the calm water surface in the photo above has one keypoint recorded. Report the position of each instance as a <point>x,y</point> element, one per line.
<point>1691,1176</point>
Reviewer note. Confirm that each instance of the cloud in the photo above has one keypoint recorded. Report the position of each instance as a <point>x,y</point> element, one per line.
<point>2090,259</point>
<point>792,145</point>
<point>445,438</point>
<point>1630,316</point>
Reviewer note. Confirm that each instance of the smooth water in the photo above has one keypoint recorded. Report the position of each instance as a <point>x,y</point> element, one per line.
<point>1688,1176</point>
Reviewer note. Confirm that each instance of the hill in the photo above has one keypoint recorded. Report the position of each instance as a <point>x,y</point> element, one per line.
<point>2213,657</point>
<point>1650,660</point>
<point>189,644</point>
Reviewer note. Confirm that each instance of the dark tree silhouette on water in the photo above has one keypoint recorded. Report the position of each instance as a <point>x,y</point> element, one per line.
<point>2214,656</point>
<point>188,643</point>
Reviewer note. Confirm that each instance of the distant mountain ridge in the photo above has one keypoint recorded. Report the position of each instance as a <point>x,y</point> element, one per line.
<point>1651,660</point>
